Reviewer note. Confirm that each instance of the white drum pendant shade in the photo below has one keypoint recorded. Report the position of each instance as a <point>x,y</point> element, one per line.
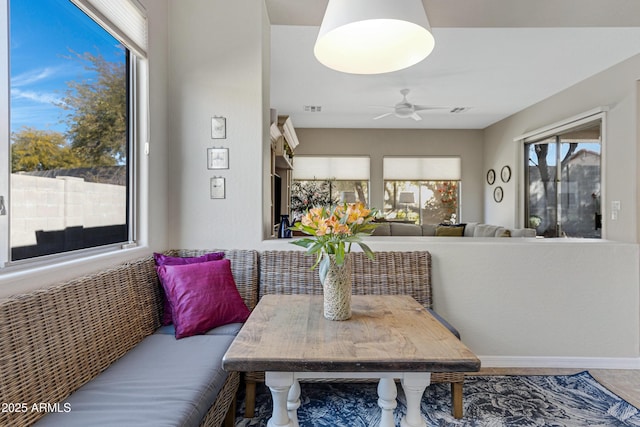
<point>373,36</point>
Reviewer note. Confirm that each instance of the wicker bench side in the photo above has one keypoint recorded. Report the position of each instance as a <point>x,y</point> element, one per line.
<point>54,340</point>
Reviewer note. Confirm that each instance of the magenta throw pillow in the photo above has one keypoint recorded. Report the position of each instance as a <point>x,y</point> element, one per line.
<point>202,296</point>
<point>161,259</point>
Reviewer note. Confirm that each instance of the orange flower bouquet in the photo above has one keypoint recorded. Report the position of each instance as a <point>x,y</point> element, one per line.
<point>334,231</point>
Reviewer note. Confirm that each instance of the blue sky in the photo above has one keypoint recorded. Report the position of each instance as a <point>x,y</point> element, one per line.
<point>42,33</point>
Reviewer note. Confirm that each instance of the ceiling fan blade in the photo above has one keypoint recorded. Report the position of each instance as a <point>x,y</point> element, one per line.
<point>416,117</point>
<point>382,115</point>
<point>428,107</point>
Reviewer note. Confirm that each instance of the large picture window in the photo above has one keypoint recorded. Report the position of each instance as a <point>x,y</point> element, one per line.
<point>423,190</point>
<point>422,202</point>
<point>70,125</point>
<point>326,181</point>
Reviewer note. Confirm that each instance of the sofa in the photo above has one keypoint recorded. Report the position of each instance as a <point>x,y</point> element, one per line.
<point>92,351</point>
<point>470,229</point>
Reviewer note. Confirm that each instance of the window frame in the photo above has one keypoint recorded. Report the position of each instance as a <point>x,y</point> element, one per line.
<point>137,131</point>
<point>557,128</point>
<point>5,145</point>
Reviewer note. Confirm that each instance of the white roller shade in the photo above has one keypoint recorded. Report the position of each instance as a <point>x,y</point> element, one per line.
<point>422,168</point>
<point>338,168</point>
<point>126,20</point>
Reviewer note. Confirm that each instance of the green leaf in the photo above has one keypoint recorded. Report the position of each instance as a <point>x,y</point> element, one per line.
<point>316,247</point>
<point>340,254</point>
<point>324,268</point>
<point>305,243</point>
<point>318,259</point>
<point>367,250</point>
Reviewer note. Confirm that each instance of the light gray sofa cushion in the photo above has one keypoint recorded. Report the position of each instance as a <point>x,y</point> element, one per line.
<point>470,228</point>
<point>487,230</point>
<point>400,229</point>
<point>382,229</point>
<point>523,232</point>
<point>429,229</point>
<point>160,382</point>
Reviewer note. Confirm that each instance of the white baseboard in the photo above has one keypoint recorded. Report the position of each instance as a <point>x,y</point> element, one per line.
<point>560,362</point>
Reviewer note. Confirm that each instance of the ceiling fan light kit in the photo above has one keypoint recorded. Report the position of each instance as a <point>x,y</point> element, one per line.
<point>373,36</point>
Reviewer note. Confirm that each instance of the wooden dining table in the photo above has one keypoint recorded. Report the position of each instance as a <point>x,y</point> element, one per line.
<point>388,337</point>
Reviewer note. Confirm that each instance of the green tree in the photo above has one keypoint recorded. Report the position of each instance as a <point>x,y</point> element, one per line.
<point>34,149</point>
<point>98,118</point>
<point>309,194</point>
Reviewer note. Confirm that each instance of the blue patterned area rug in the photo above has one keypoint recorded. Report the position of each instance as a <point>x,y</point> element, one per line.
<point>489,401</point>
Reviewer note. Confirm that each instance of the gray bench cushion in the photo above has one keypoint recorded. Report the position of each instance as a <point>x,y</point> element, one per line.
<point>161,382</point>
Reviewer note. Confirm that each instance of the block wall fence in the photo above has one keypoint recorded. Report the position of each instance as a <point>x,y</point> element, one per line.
<point>39,203</point>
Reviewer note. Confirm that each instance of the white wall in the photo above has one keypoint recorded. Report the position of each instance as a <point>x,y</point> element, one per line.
<point>615,88</point>
<point>377,143</point>
<point>216,69</point>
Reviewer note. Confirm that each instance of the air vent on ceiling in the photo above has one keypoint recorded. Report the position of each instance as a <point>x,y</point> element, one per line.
<point>458,109</point>
<point>312,108</point>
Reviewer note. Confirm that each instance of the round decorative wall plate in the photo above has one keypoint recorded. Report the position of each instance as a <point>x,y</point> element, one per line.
<point>491,176</point>
<point>498,194</point>
<point>505,174</point>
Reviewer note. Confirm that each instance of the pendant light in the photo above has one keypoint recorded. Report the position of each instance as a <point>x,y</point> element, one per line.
<point>373,36</point>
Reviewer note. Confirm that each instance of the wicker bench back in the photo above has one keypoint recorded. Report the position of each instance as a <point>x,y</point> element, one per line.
<point>54,340</point>
<point>407,273</point>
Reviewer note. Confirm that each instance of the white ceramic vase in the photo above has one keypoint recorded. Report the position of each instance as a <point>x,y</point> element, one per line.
<point>337,289</point>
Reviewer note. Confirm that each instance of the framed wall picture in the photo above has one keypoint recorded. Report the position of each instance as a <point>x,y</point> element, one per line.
<point>498,194</point>
<point>218,188</point>
<point>218,127</point>
<point>491,176</point>
<point>217,158</point>
<point>505,174</point>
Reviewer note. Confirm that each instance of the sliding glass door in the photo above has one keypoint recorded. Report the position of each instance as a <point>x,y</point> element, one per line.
<point>563,183</point>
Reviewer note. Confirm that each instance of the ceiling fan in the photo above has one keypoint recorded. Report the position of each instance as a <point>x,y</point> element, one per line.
<point>404,109</point>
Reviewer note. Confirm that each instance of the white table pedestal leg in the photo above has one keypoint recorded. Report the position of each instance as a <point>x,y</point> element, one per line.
<point>293,402</point>
<point>279,383</point>
<point>413,385</point>
<point>387,393</point>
